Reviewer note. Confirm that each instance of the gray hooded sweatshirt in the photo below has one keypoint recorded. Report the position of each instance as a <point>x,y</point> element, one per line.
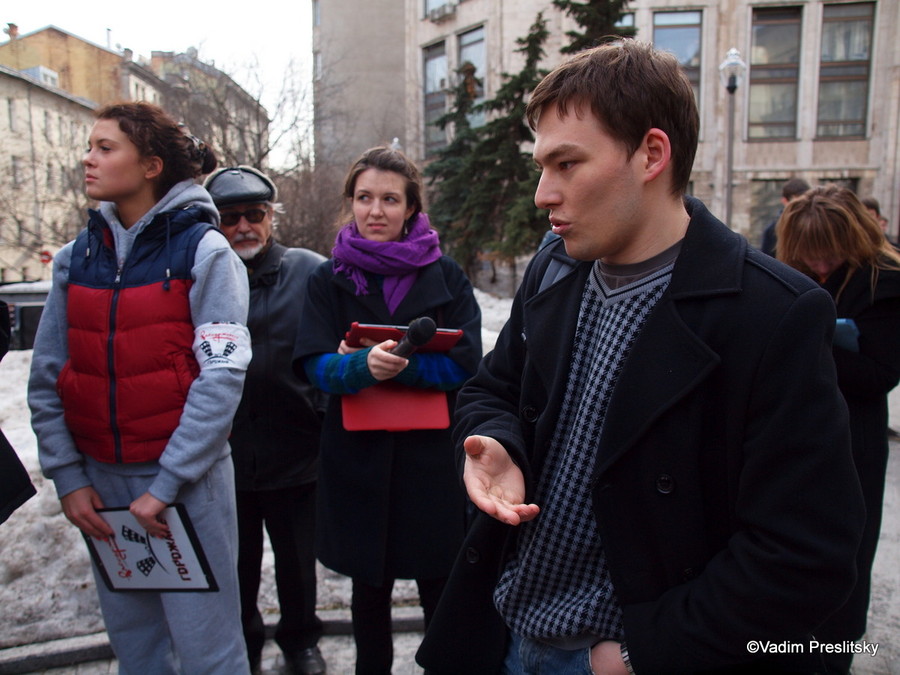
<point>219,293</point>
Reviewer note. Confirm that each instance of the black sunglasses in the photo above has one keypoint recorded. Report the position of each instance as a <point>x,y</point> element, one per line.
<point>232,218</point>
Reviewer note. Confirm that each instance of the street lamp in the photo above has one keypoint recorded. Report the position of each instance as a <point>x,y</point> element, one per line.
<point>731,72</point>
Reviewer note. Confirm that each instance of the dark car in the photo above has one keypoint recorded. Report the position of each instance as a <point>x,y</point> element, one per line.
<point>26,302</point>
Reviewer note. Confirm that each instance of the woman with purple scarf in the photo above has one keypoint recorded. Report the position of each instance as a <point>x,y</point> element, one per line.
<point>390,505</point>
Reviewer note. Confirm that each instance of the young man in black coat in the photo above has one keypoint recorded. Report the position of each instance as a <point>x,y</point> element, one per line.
<point>657,442</point>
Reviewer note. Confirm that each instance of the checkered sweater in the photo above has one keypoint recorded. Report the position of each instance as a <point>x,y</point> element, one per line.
<point>557,589</point>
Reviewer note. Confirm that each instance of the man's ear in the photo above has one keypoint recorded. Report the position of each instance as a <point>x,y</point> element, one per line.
<point>658,153</point>
<point>153,167</point>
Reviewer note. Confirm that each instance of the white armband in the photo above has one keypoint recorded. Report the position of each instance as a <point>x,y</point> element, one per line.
<point>222,345</point>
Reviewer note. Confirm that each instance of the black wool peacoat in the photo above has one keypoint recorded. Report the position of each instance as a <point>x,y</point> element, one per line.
<point>724,490</point>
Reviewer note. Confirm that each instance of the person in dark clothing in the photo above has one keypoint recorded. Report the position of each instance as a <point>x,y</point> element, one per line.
<point>874,208</point>
<point>657,443</point>
<point>390,503</point>
<point>5,332</point>
<point>275,438</point>
<point>790,190</point>
<point>15,485</point>
<point>828,235</point>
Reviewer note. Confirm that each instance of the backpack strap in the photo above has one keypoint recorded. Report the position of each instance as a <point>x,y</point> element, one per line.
<point>560,266</point>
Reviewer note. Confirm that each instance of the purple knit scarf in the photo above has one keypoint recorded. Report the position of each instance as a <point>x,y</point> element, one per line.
<point>398,261</point>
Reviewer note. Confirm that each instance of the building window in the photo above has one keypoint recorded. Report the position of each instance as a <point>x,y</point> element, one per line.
<point>766,206</point>
<point>627,21</point>
<point>471,50</point>
<point>317,66</point>
<point>435,95</point>
<point>844,69</point>
<point>679,33</point>
<point>317,13</point>
<point>851,183</point>
<point>11,111</point>
<point>15,167</point>
<point>774,73</point>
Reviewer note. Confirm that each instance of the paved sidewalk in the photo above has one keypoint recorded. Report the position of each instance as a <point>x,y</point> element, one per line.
<point>91,655</point>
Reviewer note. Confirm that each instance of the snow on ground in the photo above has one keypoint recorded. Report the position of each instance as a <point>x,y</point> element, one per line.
<point>46,586</point>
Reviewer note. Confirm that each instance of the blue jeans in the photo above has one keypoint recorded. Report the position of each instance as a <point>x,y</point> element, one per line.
<point>530,657</point>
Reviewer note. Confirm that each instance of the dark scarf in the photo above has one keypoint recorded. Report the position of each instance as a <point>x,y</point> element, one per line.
<point>398,261</point>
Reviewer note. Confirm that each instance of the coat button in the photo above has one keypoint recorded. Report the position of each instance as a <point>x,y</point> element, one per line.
<point>665,484</point>
<point>530,413</point>
<point>472,555</point>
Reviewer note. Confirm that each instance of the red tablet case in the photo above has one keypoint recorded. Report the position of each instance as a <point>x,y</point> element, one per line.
<point>443,340</point>
<point>391,406</point>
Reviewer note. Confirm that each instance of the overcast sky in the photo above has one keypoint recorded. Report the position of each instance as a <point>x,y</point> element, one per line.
<point>231,34</point>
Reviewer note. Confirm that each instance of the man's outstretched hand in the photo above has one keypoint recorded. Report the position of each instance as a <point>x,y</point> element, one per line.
<point>494,483</point>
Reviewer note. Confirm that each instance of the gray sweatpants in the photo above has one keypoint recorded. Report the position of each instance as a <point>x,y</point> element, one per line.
<point>179,633</point>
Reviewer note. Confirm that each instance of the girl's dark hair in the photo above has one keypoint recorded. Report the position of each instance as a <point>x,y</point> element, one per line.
<point>387,159</point>
<point>155,134</point>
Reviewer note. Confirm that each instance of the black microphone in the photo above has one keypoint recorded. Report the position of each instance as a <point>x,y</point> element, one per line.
<point>420,331</point>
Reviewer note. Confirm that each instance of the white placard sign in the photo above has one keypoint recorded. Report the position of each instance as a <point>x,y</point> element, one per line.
<point>132,560</point>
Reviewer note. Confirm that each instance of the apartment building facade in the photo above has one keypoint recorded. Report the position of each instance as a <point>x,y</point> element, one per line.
<point>81,67</point>
<point>360,78</point>
<point>42,137</point>
<point>819,98</point>
<point>50,83</point>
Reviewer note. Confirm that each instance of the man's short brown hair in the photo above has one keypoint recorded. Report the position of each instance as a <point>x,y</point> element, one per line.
<point>631,87</point>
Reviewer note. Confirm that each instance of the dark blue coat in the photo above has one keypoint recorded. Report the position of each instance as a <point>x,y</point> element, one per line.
<point>390,504</point>
<point>865,378</point>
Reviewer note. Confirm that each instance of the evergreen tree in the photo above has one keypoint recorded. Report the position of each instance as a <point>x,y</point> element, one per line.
<point>597,19</point>
<point>448,176</point>
<point>496,210</point>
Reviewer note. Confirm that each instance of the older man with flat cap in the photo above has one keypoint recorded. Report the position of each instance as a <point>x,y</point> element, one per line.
<point>275,440</point>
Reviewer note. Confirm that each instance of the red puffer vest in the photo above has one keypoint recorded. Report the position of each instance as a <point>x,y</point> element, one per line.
<point>131,360</point>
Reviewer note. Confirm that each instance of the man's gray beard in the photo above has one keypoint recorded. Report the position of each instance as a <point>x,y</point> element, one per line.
<point>249,253</point>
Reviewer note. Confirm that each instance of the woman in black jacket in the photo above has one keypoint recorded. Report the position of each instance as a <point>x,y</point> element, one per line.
<point>390,505</point>
<point>828,234</point>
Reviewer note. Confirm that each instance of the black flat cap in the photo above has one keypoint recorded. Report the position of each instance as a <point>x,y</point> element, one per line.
<point>240,185</point>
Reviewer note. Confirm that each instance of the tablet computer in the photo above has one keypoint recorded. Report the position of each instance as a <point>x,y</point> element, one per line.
<point>443,340</point>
